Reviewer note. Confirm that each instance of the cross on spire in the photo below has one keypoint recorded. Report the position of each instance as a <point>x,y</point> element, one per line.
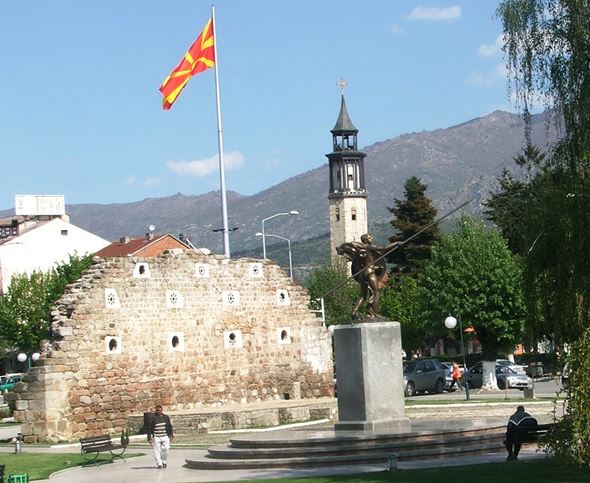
<point>342,84</point>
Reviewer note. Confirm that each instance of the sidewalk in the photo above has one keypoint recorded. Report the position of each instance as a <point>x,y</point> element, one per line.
<point>143,469</point>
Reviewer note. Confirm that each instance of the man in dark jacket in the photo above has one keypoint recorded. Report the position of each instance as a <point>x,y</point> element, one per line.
<point>160,434</point>
<point>520,419</point>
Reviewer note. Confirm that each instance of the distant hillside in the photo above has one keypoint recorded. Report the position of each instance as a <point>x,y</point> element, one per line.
<point>457,163</point>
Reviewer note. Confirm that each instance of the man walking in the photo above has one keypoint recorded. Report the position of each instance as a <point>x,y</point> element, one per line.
<point>456,374</point>
<point>160,434</point>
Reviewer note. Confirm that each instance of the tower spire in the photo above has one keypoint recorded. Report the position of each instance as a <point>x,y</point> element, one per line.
<point>344,123</point>
<point>347,196</point>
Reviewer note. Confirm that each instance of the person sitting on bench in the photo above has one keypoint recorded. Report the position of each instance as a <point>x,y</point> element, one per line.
<point>520,419</point>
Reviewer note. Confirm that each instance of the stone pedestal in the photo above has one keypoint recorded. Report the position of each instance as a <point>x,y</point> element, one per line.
<point>369,377</point>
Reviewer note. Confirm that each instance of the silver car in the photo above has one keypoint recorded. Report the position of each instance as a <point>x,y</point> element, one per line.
<point>424,375</point>
<point>515,367</point>
<point>505,376</point>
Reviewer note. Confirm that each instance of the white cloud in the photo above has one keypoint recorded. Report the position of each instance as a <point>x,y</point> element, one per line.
<point>133,181</point>
<point>202,167</point>
<point>271,159</point>
<point>498,73</point>
<point>491,50</point>
<point>396,30</point>
<point>435,14</point>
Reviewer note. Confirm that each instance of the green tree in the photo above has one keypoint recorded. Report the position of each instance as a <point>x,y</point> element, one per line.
<point>472,273</point>
<point>400,302</point>
<point>410,215</point>
<point>331,282</point>
<point>548,47</point>
<point>514,209</point>
<point>505,209</point>
<point>509,207</point>
<point>25,309</point>
<point>570,440</point>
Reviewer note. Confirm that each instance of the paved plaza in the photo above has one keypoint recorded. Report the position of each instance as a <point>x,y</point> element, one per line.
<point>143,469</point>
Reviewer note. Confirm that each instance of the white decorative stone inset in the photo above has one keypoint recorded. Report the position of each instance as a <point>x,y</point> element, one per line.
<point>112,344</point>
<point>284,336</point>
<point>174,299</point>
<point>283,297</point>
<point>255,270</point>
<point>141,270</point>
<point>111,299</point>
<point>231,298</point>
<point>202,270</point>
<point>232,339</point>
<point>175,342</point>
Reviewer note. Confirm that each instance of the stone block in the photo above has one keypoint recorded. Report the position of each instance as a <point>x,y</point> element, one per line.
<point>369,371</point>
<point>21,405</point>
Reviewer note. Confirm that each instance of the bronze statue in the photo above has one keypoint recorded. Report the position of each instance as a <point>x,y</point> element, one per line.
<point>369,270</point>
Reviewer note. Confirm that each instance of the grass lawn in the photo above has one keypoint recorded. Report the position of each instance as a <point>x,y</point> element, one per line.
<point>40,465</point>
<point>535,471</point>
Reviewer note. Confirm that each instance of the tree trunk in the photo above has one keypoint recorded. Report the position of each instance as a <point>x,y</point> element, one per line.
<point>489,381</point>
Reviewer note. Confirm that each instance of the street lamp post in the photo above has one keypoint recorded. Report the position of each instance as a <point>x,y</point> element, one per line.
<point>451,323</point>
<point>22,357</point>
<point>292,212</point>
<point>289,245</point>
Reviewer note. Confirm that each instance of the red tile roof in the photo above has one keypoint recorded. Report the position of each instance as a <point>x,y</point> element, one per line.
<point>127,247</point>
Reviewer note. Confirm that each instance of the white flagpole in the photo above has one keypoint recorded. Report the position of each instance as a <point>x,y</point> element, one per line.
<point>220,143</point>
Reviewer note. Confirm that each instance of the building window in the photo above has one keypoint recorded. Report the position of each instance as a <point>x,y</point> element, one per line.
<point>337,214</point>
<point>174,299</point>
<point>201,270</point>
<point>284,336</point>
<point>141,270</point>
<point>232,339</point>
<point>255,270</point>
<point>112,344</point>
<point>8,231</point>
<point>111,299</point>
<point>353,214</point>
<point>64,232</point>
<point>175,342</point>
<point>282,297</point>
<point>231,298</point>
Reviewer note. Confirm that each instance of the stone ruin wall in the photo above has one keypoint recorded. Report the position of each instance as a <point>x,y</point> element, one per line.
<point>184,329</point>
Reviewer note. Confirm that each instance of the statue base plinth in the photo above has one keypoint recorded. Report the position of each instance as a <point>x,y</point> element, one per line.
<point>370,377</point>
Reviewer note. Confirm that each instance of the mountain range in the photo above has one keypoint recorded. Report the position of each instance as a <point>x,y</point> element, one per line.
<point>457,164</point>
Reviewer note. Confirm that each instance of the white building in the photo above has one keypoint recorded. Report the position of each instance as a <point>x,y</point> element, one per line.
<point>38,242</point>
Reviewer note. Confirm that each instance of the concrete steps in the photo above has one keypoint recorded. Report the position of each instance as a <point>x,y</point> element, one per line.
<point>297,449</point>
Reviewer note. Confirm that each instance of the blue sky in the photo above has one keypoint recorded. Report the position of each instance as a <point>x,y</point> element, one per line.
<point>82,114</point>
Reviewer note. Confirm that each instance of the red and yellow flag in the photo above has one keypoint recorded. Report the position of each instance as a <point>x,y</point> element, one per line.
<point>200,56</point>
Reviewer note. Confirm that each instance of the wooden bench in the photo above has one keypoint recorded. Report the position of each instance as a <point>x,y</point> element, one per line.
<point>93,446</point>
<point>531,434</point>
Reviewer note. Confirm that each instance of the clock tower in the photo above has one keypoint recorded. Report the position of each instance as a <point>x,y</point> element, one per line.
<point>347,196</point>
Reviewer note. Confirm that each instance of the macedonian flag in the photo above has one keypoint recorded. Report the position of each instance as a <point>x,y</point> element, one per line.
<point>199,57</point>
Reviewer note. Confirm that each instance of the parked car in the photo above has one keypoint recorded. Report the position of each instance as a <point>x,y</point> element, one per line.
<point>505,376</point>
<point>424,375</point>
<point>515,367</point>
<point>8,381</point>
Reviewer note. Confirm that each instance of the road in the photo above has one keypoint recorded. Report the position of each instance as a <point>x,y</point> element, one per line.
<point>545,387</point>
